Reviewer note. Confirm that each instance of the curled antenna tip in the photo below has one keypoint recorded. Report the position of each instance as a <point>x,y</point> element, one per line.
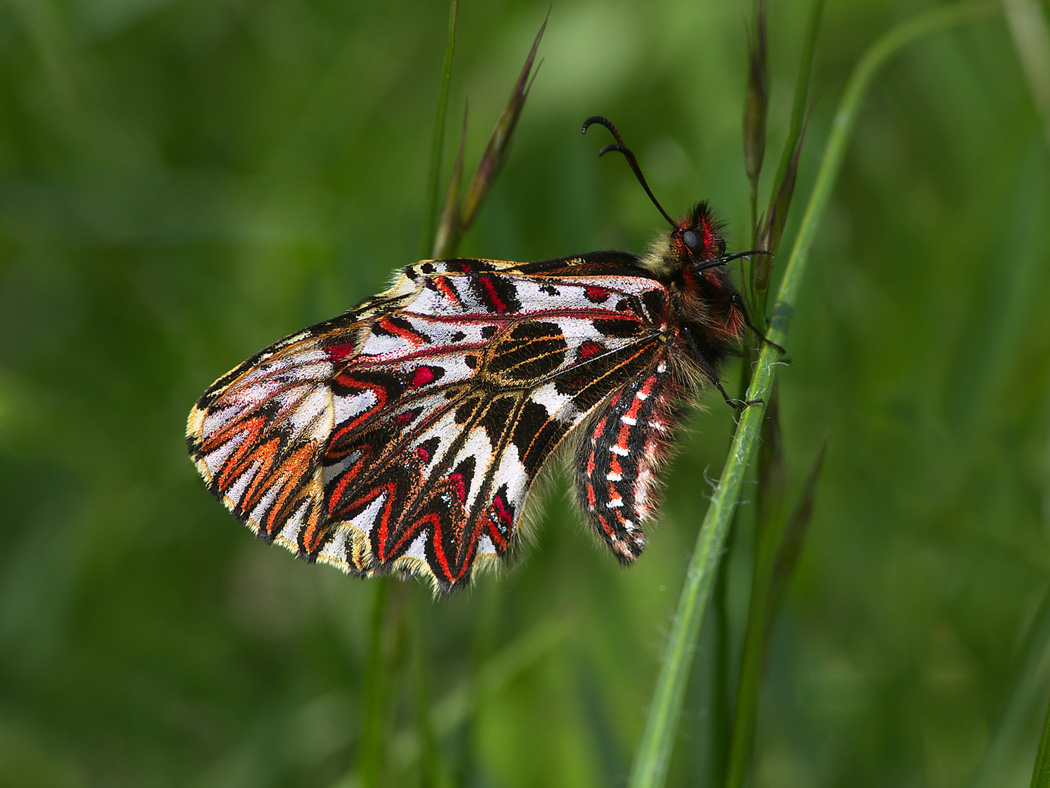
<point>621,147</point>
<point>603,121</point>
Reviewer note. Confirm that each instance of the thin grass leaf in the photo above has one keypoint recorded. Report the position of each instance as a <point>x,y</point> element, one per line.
<point>431,761</point>
<point>1041,772</point>
<point>442,240</point>
<point>794,536</point>
<point>447,237</point>
<point>371,749</point>
<point>499,142</point>
<point>721,708</point>
<point>649,768</point>
<point>379,672</point>
<point>798,106</point>
<point>771,229</point>
<point>459,705</point>
<point>1028,26</point>
<point>763,602</point>
<point>1028,685</point>
<point>437,144</point>
<point>772,477</point>
<point>776,555</point>
<point>756,108</point>
<point>777,212</point>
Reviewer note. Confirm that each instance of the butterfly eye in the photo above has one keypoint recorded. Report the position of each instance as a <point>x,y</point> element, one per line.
<point>692,242</point>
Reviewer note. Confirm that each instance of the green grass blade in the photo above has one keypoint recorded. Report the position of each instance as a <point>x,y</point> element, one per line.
<point>1027,687</point>
<point>426,235</point>
<point>779,544</point>
<point>447,236</point>
<point>652,757</point>
<point>1028,26</point>
<point>1041,773</point>
<point>798,107</point>
<point>780,193</point>
<point>371,750</point>
<point>756,109</point>
<point>499,142</point>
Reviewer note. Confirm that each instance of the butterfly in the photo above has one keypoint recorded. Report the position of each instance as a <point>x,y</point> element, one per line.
<point>403,437</point>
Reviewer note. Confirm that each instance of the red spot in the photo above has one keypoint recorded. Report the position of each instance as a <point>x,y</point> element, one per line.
<point>340,351</point>
<point>589,348</point>
<point>402,420</point>
<point>423,376</point>
<point>423,453</point>
<point>596,295</point>
<point>458,486</point>
<point>500,507</point>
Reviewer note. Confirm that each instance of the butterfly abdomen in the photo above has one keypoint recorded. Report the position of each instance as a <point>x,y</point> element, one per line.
<point>618,458</point>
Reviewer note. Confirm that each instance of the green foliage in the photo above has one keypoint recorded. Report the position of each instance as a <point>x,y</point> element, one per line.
<point>182,183</point>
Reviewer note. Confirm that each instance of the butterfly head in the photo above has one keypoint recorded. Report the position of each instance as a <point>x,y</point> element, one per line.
<point>698,238</point>
<point>694,246</point>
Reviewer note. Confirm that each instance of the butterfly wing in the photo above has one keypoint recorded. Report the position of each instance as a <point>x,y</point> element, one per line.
<point>404,436</point>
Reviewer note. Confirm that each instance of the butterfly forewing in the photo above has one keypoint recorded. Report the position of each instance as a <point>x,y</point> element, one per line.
<point>404,436</point>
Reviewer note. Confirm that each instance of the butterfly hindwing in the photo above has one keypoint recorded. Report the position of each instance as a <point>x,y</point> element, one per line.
<point>404,436</point>
<point>619,456</point>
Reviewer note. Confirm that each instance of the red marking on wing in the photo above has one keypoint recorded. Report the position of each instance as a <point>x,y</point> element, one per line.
<point>499,504</point>
<point>442,285</point>
<point>388,326</point>
<point>490,291</point>
<point>422,376</point>
<point>596,295</point>
<point>458,486</point>
<point>340,352</point>
<point>588,349</point>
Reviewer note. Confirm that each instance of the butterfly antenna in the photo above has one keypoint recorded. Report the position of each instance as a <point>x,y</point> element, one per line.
<point>631,160</point>
<point>721,261</point>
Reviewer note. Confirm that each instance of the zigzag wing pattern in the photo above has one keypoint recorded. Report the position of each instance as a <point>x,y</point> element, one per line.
<point>403,437</point>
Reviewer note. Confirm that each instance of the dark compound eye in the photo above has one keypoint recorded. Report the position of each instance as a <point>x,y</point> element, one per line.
<point>692,241</point>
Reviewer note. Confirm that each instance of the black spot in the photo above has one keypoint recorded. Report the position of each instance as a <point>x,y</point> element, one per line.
<point>459,336</point>
<point>497,416</point>
<point>655,303</point>
<point>496,293</point>
<point>465,410</point>
<point>530,351</point>
<point>535,436</point>
<point>465,469</point>
<point>623,328</point>
<point>488,332</point>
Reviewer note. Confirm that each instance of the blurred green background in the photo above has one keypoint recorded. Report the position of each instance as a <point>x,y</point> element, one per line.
<point>182,183</point>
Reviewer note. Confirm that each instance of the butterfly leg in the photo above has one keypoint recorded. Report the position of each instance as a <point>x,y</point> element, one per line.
<point>708,369</point>
<point>738,302</point>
